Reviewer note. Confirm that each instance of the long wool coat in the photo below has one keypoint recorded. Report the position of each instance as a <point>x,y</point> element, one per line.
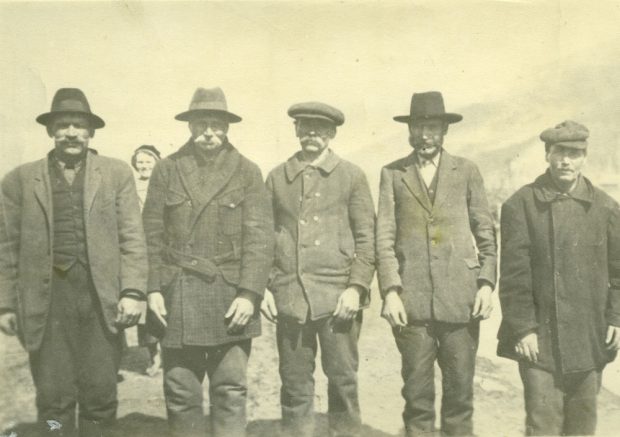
<point>560,274</point>
<point>426,248</point>
<point>114,240</point>
<point>209,235</point>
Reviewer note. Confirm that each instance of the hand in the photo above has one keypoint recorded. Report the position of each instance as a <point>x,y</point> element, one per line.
<point>483,304</point>
<point>129,312</point>
<point>393,310</point>
<point>157,305</point>
<point>268,307</point>
<point>348,304</point>
<point>527,347</point>
<point>8,323</point>
<point>240,311</point>
<point>613,338</point>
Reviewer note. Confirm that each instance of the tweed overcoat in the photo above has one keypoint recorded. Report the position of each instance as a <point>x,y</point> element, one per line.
<point>426,249</point>
<point>209,235</point>
<point>560,274</point>
<point>114,240</point>
<point>324,220</point>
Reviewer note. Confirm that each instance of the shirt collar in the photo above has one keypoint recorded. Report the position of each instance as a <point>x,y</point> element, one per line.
<point>422,162</point>
<point>326,162</point>
<point>547,191</point>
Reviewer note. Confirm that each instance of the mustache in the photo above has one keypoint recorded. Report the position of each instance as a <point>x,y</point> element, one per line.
<point>69,143</point>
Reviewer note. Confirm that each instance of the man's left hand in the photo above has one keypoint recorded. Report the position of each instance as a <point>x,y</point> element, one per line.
<point>613,338</point>
<point>240,312</point>
<point>129,312</point>
<point>348,304</point>
<point>483,304</point>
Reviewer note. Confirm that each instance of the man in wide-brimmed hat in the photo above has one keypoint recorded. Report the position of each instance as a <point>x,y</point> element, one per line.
<point>560,287</point>
<point>435,283</point>
<point>324,262</point>
<point>72,268</point>
<point>209,229</point>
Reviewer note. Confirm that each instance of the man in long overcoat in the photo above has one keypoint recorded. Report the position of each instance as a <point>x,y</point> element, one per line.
<point>435,282</point>
<point>209,230</point>
<point>72,268</point>
<point>324,262</point>
<point>560,287</point>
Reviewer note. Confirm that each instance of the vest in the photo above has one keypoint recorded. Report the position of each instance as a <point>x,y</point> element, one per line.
<point>68,212</point>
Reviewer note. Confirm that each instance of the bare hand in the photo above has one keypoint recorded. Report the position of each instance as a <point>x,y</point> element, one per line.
<point>158,307</point>
<point>613,338</point>
<point>527,347</point>
<point>129,312</point>
<point>393,310</point>
<point>268,307</point>
<point>240,312</point>
<point>8,323</point>
<point>483,304</point>
<point>348,304</point>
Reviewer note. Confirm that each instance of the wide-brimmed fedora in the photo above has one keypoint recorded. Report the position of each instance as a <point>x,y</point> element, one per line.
<point>208,101</point>
<point>70,101</point>
<point>428,105</point>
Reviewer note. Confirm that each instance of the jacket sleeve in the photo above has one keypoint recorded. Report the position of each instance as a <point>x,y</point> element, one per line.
<point>482,227</point>
<point>10,219</point>
<point>613,256</point>
<point>515,284</point>
<point>258,235</point>
<point>387,263</point>
<point>362,222</point>
<point>134,267</point>
<point>153,220</point>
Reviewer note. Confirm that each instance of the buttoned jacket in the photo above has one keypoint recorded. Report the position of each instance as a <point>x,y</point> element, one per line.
<point>324,221</point>
<point>435,254</point>
<point>114,240</point>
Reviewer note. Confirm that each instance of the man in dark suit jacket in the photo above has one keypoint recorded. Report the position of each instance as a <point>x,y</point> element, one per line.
<point>435,282</point>
<point>72,268</point>
<point>209,230</point>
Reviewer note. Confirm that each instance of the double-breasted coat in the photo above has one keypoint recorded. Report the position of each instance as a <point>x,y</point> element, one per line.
<point>560,274</point>
<point>324,220</point>
<point>435,253</point>
<point>209,232</point>
<point>114,241</point>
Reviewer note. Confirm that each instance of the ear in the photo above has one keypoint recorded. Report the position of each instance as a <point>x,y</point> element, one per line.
<point>48,128</point>
<point>296,124</point>
<point>446,125</point>
<point>332,132</point>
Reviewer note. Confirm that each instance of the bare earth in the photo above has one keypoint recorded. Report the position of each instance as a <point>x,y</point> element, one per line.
<point>498,392</point>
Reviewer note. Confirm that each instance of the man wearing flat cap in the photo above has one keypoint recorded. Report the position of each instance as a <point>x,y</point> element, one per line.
<point>209,231</point>
<point>560,287</point>
<point>436,284</point>
<point>72,269</point>
<point>324,262</point>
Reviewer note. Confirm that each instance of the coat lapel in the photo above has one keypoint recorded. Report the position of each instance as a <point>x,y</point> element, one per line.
<point>42,189</point>
<point>92,181</point>
<point>445,180</point>
<point>413,182</point>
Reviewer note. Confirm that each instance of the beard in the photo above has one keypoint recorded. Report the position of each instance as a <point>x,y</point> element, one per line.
<point>71,151</point>
<point>426,149</point>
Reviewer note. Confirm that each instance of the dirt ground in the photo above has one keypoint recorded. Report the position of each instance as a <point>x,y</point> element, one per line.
<point>498,392</point>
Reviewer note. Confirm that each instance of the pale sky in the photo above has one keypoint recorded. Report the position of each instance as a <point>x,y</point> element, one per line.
<point>139,64</point>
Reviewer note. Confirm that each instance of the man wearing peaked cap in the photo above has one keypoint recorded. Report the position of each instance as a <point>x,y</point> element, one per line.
<point>209,231</point>
<point>72,268</point>
<point>435,284</point>
<point>320,280</point>
<point>560,287</point>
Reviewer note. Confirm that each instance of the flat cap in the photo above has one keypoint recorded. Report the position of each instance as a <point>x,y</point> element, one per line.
<point>316,110</point>
<point>568,134</point>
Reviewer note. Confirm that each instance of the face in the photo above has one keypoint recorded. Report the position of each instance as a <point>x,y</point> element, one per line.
<point>208,132</point>
<point>71,134</point>
<point>426,136</point>
<point>314,134</point>
<point>144,164</point>
<point>565,163</point>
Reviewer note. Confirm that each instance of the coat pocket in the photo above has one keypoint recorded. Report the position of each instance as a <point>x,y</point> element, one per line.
<point>472,263</point>
<point>230,212</point>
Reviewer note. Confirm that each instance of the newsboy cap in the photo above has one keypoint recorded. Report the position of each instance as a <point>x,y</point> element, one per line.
<point>70,101</point>
<point>318,110</point>
<point>568,134</point>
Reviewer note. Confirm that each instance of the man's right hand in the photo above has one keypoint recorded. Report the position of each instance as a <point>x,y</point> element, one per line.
<point>157,305</point>
<point>8,323</point>
<point>268,307</point>
<point>527,347</point>
<point>393,310</point>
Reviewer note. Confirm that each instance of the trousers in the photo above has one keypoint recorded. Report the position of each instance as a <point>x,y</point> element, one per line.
<point>77,362</point>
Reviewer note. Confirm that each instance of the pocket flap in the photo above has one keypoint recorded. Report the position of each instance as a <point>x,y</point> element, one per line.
<point>175,198</point>
<point>472,263</point>
<point>231,199</point>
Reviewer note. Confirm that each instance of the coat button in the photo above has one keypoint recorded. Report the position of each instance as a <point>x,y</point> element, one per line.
<point>317,194</point>
<point>302,221</point>
<point>194,262</point>
<point>232,205</point>
<point>433,242</point>
<point>317,243</point>
<point>315,218</point>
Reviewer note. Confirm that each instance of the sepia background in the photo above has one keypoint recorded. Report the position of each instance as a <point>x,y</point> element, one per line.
<point>512,68</point>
